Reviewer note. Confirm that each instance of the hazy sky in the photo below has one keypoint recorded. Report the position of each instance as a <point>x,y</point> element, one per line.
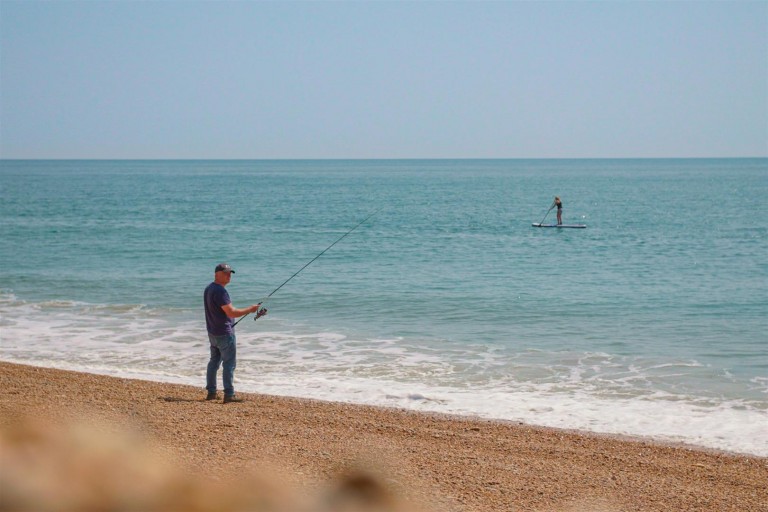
<point>468,79</point>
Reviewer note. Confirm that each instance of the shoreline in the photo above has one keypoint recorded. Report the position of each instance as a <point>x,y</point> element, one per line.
<point>630,437</point>
<point>447,415</point>
<point>438,461</point>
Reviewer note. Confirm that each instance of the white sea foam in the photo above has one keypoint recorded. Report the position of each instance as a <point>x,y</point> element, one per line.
<point>588,391</point>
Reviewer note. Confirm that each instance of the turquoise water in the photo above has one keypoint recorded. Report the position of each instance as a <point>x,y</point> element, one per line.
<point>649,322</point>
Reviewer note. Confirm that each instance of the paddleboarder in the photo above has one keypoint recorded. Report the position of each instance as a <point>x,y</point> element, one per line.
<point>559,205</point>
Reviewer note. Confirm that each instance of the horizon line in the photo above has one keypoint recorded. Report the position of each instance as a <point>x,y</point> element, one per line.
<point>144,159</point>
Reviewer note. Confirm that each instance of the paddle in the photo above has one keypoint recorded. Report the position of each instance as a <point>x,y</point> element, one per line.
<point>545,215</point>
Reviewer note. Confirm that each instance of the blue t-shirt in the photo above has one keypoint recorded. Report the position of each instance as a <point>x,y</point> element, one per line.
<point>216,320</point>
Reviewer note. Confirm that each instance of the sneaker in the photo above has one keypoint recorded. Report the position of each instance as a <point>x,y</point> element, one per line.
<point>232,398</point>
<point>211,396</point>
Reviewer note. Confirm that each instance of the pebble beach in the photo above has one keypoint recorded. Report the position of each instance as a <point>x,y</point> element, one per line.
<point>295,451</point>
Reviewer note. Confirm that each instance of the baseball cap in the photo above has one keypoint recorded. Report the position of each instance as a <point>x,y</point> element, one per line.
<point>224,267</point>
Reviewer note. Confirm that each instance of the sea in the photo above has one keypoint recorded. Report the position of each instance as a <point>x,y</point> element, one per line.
<point>413,284</point>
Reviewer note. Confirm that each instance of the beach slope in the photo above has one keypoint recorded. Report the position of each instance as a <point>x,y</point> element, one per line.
<point>421,461</point>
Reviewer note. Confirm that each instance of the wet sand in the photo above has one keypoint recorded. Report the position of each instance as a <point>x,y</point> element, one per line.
<point>423,461</point>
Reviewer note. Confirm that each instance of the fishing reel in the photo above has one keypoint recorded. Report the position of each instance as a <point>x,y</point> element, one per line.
<point>261,312</point>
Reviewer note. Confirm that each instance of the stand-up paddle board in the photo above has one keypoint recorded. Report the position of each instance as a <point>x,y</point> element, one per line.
<point>577,226</point>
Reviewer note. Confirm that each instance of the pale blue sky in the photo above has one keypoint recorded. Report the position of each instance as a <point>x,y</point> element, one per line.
<point>383,79</point>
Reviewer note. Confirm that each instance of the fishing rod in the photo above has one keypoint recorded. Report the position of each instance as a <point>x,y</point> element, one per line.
<point>259,312</point>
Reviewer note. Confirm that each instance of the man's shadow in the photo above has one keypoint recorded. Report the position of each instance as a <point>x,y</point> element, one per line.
<point>177,399</point>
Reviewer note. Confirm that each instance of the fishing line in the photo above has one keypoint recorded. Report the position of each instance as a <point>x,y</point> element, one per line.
<point>308,264</point>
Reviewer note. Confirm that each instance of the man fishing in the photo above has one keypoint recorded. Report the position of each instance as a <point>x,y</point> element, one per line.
<point>219,320</point>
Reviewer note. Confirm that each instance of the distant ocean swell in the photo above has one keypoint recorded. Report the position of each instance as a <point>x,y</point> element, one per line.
<point>650,322</point>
